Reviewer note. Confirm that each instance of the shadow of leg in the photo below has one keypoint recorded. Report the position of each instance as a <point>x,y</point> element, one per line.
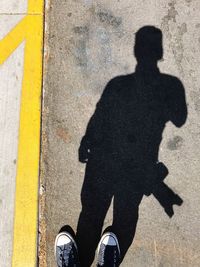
<point>96,198</point>
<point>125,217</point>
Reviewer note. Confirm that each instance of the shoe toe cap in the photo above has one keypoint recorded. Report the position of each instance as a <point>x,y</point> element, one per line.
<point>109,241</point>
<point>63,240</point>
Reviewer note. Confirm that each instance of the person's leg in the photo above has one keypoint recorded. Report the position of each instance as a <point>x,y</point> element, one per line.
<point>108,251</point>
<point>96,197</point>
<point>66,251</point>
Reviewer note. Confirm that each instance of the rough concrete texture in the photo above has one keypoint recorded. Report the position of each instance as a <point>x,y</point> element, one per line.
<point>90,42</point>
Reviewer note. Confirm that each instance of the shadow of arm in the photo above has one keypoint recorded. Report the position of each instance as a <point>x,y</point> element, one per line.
<point>95,129</point>
<point>177,104</point>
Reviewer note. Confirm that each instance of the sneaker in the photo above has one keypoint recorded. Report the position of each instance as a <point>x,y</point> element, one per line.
<point>66,252</point>
<point>108,251</point>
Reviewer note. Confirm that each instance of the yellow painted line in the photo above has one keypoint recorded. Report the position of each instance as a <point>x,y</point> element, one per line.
<point>29,29</point>
<point>26,203</point>
<point>12,40</point>
<point>35,6</point>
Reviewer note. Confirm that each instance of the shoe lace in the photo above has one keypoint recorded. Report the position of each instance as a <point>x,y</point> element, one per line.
<point>101,255</point>
<point>101,258</point>
<point>64,255</point>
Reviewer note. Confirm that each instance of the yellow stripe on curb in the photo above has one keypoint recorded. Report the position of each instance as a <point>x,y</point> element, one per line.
<point>29,29</point>
<point>26,203</point>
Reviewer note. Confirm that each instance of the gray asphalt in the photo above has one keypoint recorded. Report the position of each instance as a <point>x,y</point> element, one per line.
<point>89,43</point>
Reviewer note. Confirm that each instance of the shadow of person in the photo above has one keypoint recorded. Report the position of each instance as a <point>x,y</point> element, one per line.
<point>121,146</point>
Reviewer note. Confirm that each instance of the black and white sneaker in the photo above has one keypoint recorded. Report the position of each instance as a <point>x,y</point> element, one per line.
<point>66,252</point>
<point>108,251</point>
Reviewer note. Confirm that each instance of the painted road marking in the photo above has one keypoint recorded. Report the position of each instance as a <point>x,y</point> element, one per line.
<point>29,30</point>
<point>7,23</point>
<point>10,93</point>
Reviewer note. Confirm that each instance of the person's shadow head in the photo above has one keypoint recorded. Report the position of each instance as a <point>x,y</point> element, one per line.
<point>148,45</point>
<point>121,147</point>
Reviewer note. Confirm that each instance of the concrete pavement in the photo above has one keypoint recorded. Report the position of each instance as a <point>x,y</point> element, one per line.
<point>88,43</point>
